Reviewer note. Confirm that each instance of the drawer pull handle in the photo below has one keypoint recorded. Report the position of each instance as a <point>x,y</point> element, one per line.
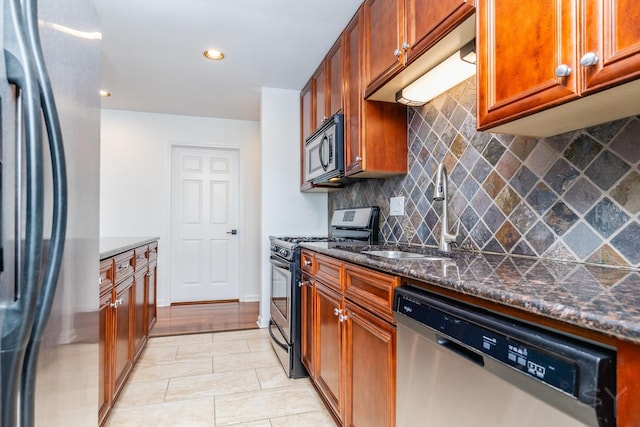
<point>563,70</point>
<point>336,311</point>
<point>589,59</point>
<point>343,317</point>
<point>307,262</point>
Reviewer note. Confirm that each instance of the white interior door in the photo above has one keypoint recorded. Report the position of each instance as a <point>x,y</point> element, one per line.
<point>204,213</point>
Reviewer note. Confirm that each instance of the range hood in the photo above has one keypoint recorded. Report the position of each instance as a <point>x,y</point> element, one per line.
<point>458,39</point>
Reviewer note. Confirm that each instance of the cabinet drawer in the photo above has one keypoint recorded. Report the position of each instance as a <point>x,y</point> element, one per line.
<point>306,262</point>
<point>153,251</point>
<point>371,289</point>
<point>329,271</point>
<point>105,281</point>
<point>140,257</point>
<point>124,266</point>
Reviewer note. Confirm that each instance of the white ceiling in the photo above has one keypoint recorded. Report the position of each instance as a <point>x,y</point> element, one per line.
<point>153,62</point>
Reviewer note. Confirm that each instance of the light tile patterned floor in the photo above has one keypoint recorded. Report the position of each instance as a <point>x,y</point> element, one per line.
<point>216,379</point>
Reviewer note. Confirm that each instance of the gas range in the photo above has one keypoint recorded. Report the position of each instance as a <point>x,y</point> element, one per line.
<point>347,225</point>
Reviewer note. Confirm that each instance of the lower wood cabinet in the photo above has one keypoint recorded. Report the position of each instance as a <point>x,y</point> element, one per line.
<point>123,301</point>
<point>329,361</point>
<point>349,348</point>
<point>370,354</point>
<point>307,311</point>
<point>127,311</point>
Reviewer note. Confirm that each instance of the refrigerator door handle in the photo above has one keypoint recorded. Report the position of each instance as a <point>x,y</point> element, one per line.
<point>59,220</point>
<point>19,315</point>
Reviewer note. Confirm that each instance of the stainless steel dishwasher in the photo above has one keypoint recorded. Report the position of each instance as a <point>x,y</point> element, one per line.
<point>460,365</point>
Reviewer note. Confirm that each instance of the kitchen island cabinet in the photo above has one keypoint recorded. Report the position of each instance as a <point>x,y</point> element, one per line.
<point>542,73</point>
<point>351,358</point>
<point>127,311</point>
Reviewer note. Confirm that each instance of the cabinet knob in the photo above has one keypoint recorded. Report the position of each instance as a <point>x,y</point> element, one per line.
<point>563,70</point>
<point>119,301</point>
<point>307,262</point>
<point>113,304</point>
<point>589,59</point>
<point>337,311</point>
<point>100,280</point>
<point>343,317</point>
<point>397,53</point>
<point>405,46</point>
<point>358,159</point>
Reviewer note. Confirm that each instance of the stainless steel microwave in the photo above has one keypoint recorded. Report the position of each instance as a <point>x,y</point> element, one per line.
<point>324,153</point>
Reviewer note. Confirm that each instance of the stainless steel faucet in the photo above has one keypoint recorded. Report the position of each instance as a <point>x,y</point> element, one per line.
<point>440,194</point>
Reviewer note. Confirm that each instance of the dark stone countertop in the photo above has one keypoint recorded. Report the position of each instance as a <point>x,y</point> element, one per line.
<point>601,299</point>
<point>110,246</point>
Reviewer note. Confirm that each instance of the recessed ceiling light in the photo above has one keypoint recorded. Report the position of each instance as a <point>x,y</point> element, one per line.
<point>104,93</point>
<point>216,55</point>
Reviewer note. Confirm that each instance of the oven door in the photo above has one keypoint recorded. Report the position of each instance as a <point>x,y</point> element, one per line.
<point>281,295</point>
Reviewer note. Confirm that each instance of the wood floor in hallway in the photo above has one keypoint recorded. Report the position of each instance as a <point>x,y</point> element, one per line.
<point>209,317</point>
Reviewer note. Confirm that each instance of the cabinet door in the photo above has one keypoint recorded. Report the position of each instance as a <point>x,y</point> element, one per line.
<point>354,94</point>
<point>611,31</point>
<point>123,334</point>
<point>307,315</point>
<point>383,39</point>
<point>335,90</point>
<point>319,78</point>
<point>427,21</point>
<point>139,322</point>
<point>306,112</point>
<point>370,345</point>
<point>104,359</point>
<point>520,45</point>
<point>329,362</point>
<point>307,124</point>
<point>150,295</point>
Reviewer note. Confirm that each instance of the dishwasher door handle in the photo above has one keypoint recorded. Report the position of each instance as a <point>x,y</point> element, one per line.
<point>461,350</point>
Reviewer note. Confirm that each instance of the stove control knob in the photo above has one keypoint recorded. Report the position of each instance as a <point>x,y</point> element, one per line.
<point>284,252</point>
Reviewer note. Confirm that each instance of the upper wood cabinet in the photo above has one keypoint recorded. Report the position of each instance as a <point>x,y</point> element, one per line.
<point>375,132</point>
<point>383,41</point>
<point>397,32</point>
<point>318,99</point>
<point>530,60</point>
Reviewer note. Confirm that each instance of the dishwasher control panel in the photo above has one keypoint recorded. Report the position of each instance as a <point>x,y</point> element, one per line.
<point>551,369</point>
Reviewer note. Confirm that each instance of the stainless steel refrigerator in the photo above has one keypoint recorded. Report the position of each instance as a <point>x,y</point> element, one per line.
<point>49,212</point>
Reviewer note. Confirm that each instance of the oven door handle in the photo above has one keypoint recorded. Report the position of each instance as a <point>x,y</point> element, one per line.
<point>284,346</point>
<point>278,263</point>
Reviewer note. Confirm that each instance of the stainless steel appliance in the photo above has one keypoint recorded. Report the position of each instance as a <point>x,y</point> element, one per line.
<point>49,189</point>
<point>348,226</point>
<point>459,365</point>
<point>324,153</point>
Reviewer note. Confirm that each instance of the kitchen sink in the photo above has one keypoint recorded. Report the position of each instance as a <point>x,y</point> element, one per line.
<point>404,255</point>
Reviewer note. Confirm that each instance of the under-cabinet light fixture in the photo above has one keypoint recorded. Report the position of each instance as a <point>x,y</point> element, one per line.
<point>452,71</point>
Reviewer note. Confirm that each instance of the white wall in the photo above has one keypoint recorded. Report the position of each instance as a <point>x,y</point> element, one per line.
<point>135,181</point>
<point>285,210</point>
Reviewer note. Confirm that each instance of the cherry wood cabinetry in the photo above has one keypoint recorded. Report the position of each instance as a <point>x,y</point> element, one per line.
<point>582,48</point>
<point>308,289</point>
<point>375,132</point>
<point>105,340</point>
<point>127,310</point>
<point>370,347</point>
<point>397,32</point>
<point>349,345</point>
<point>329,362</point>
<point>123,346</point>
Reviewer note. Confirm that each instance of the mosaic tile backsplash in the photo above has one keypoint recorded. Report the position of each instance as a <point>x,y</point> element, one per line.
<point>574,196</point>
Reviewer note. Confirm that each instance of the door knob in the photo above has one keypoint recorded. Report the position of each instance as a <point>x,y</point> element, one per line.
<point>233,231</point>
